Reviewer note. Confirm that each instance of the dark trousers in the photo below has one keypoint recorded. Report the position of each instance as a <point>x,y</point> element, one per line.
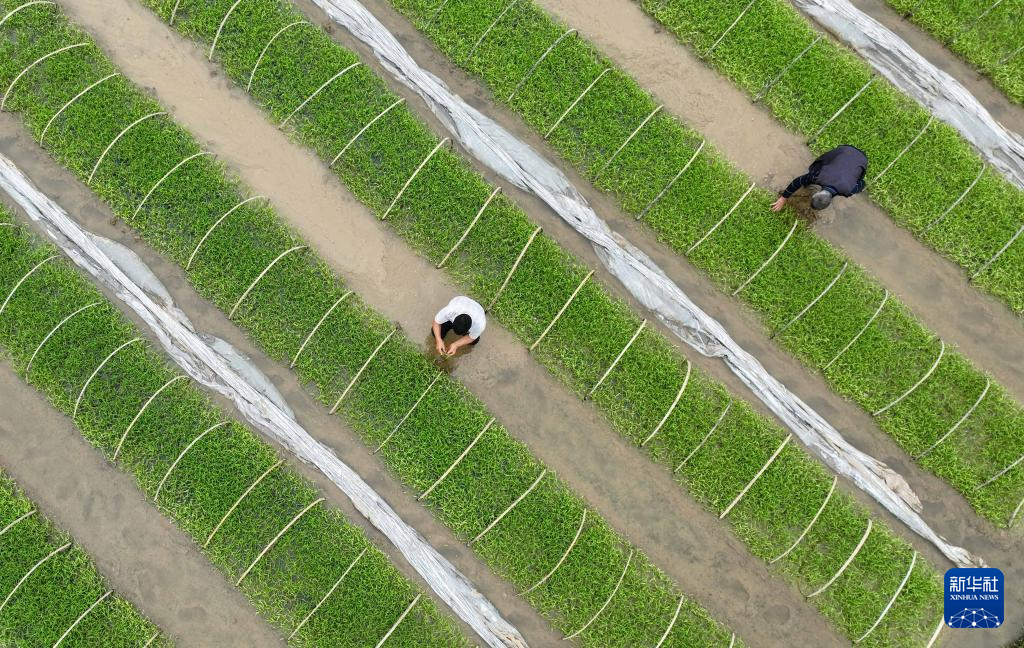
<point>447,326</point>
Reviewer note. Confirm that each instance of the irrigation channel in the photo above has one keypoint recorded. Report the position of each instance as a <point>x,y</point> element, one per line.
<point>140,553</point>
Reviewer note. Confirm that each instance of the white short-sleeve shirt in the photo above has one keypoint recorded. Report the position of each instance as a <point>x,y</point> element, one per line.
<point>464,306</point>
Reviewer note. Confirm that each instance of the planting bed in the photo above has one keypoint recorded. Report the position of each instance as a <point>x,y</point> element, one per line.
<point>813,299</point>
<point>132,404</point>
<point>989,34</point>
<point>52,594</point>
<point>293,297</point>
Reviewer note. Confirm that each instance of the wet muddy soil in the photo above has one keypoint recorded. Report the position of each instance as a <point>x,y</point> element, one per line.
<point>143,556</point>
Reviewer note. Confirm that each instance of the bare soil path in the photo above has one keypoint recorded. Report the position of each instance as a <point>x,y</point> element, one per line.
<point>641,501</point>
<point>139,551</point>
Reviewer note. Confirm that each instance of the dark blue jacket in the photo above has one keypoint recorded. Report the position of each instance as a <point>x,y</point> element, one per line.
<point>840,171</point>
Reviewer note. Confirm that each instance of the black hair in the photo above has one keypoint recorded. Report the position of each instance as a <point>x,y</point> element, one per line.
<point>461,324</point>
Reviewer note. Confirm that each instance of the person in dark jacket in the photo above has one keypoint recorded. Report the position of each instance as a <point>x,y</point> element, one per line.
<point>840,172</point>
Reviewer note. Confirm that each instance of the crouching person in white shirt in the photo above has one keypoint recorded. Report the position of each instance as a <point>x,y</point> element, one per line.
<point>465,318</point>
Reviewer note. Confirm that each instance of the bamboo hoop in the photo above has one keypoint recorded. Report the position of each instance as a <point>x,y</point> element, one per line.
<point>365,128</point>
<point>860,332</point>
<point>750,484</point>
<point>931,118</point>
<point>607,602</point>
<point>266,48</point>
<point>533,68</point>
<point>316,92</point>
<point>956,426</point>
<point>562,311</point>
<point>935,635</point>
<point>729,29</point>
<point>487,31</point>
<point>167,175</point>
<point>174,12</point>
<point>575,101</point>
<point>615,362</point>
<point>181,455</point>
<point>24,6</point>
<point>88,88</point>
<point>142,411</point>
<point>956,202</point>
<point>1000,473</point>
<point>561,560</point>
<point>508,277</point>
<point>672,182</point>
<point>316,328</point>
<point>732,640</point>
<point>82,616</point>
<point>1012,55</point>
<point>722,220</point>
<point>28,367</point>
<point>766,88</point>
<point>22,280</point>
<point>361,370</point>
<point>151,639</point>
<point>220,28</point>
<point>34,63</point>
<point>118,137</point>
<point>415,173</point>
<point>807,529</point>
<point>846,564</point>
<point>255,281</point>
<point>672,623</point>
<point>472,223</point>
<point>20,518</point>
<point>24,578</point>
<point>280,534</point>
<point>985,266</point>
<point>899,590</point>
<point>457,461</point>
<point>629,139</point>
<point>926,376</point>
<point>721,417</point>
<point>969,27</point>
<point>768,260</point>
<point>399,621</point>
<point>408,413</point>
<point>437,12</point>
<point>192,256</point>
<point>1013,516</point>
<point>239,501</point>
<point>511,506</point>
<point>839,112</point>
<point>337,583</point>
<point>78,401</point>
<point>672,407</point>
<point>814,301</point>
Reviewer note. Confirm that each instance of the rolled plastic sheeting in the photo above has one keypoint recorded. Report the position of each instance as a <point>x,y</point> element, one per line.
<point>937,91</point>
<point>518,163</point>
<point>204,359</point>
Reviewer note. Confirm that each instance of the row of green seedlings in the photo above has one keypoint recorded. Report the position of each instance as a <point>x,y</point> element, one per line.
<point>308,571</point>
<point>487,487</point>
<point>240,256</point>
<point>925,174</point>
<point>831,314</point>
<point>52,593</point>
<point>988,33</point>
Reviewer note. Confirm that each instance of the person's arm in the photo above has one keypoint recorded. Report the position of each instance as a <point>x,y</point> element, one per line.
<point>796,184</point>
<point>438,340</point>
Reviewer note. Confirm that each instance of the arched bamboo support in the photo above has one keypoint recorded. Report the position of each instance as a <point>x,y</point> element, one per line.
<point>615,362</point>
<point>672,623</point>
<point>515,264</point>
<point>511,506</point>
<point>28,274</point>
<point>565,307</point>
<point>181,455</point>
<point>168,175</point>
<point>365,128</point>
<point>80,617</point>
<point>768,260</point>
<point>576,101</point>
<point>31,571</point>
<point>607,602</point>
<point>722,220</point>
<point>896,594</point>
<point>472,223</point>
<point>174,12</point>
<point>807,529</point>
<point>81,393</point>
<point>316,328</point>
<point>399,621</point>
<point>926,376</point>
<point>259,59</point>
<point>808,307</point>
<point>255,281</point>
<point>568,550</point>
<point>10,14</point>
<point>728,29</point>
<point>239,501</point>
<point>839,112</point>
<point>956,426</point>
<point>672,407</point>
<point>220,28</point>
<point>985,266</point>
<point>536,64</point>
<point>669,185</point>
<point>931,118</point>
<point>412,409</point>
<point>767,87</point>
<point>326,596</point>
<point>457,461</point>
<point>117,137</point>
<point>359,373</point>
<point>16,521</point>
<point>864,328</point>
<point>28,367</point>
<point>192,257</point>
<point>41,59</point>
<point>479,41</point>
<point>842,568</point>
<point>949,210</point>
<point>60,111</point>
<point>750,484</point>
<point>999,474</point>
<point>718,423</point>
<point>316,92</point>
<point>274,541</point>
<point>415,173</point>
<point>145,406</point>
<point>629,139</point>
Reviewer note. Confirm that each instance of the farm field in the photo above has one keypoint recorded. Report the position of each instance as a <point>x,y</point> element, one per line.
<point>498,495</point>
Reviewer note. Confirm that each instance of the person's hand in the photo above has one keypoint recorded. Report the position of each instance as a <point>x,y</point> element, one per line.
<point>439,345</point>
<point>778,204</point>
